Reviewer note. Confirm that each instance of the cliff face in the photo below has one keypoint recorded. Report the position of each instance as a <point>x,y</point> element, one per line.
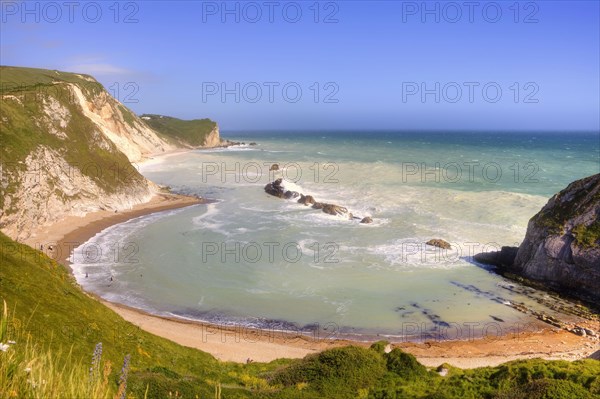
<point>130,134</point>
<point>213,139</point>
<point>66,149</point>
<point>562,244</point>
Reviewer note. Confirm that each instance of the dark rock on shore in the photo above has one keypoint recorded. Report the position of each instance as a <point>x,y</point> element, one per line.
<point>436,242</point>
<point>561,248</point>
<point>503,258</point>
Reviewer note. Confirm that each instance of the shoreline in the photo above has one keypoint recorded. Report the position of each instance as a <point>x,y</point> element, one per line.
<point>238,344</point>
<point>72,231</point>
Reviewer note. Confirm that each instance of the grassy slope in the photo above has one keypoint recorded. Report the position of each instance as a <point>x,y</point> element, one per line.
<point>52,308</point>
<point>191,132</point>
<point>47,302</point>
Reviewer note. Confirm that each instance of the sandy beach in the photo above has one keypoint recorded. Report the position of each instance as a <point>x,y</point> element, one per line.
<point>241,344</point>
<point>72,231</point>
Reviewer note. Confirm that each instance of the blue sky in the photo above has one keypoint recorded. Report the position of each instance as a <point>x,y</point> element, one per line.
<point>336,65</point>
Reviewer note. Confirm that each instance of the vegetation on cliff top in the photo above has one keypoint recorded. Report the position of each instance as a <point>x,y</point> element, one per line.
<point>179,131</point>
<point>56,327</point>
<point>568,204</point>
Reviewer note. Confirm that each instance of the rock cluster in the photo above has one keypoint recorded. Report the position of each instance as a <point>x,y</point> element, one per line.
<point>276,189</point>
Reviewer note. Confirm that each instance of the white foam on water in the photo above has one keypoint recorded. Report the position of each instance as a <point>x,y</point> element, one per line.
<point>208,220</point>
<point>108,252</point>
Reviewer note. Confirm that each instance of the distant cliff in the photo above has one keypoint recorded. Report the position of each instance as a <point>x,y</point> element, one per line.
<point>562,244</point>
<point>187,133</point>
<point>67,148</point>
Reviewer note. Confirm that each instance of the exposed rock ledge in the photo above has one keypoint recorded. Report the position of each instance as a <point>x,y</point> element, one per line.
<point>562,245</point>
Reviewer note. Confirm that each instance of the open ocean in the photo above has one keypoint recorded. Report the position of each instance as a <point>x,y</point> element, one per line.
<point>256,260</point>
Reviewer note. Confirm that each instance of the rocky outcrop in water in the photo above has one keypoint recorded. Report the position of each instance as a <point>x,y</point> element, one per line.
<point>306,200</point>
<point>436,242</point>
<point>276,189</point>
<point>332,209</point>
<point>562,245</point>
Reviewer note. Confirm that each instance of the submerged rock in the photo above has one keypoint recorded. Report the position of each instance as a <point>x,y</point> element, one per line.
<point>366,219</point>
<point>436,242</point>
<point>274,167</point>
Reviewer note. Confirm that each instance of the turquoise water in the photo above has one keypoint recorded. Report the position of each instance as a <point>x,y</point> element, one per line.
<point>252,259</point>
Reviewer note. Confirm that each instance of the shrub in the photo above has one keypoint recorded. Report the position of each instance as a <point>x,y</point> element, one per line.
<point>338,370</point>
<point>547,389</point>
<point>405,365</point>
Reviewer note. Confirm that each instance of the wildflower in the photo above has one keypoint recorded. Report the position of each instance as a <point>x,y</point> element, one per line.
<point>11,342</point>
<point>95,366</point>
<point>123,378</point>
<point>28,370</point>
<point>4,347</point>
<point>96,360</point>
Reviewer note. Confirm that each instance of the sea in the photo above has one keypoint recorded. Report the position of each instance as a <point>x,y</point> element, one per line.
<point>249,259</point>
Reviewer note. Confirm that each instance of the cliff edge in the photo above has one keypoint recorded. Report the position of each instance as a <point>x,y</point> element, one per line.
<point>193,133</point>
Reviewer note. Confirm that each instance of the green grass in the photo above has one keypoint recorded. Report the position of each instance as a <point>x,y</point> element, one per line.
<point>588,236</point>
<point>568,205</point>
<point>16,76</point>
<point>187,132</point>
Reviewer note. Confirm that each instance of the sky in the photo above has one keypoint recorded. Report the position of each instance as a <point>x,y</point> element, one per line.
<point>250,65</point>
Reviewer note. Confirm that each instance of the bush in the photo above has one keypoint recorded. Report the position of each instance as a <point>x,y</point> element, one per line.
<point>547,389</point>
<point>338,371</point>
<point>404,365</point>
<point>380,346</point>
